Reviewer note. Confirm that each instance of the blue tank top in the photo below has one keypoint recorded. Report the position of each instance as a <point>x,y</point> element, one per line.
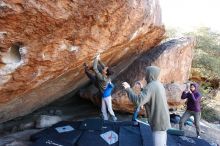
<point>108,90</point>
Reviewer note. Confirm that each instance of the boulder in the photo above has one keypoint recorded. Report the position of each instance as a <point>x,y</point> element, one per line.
<point>18,143</point>
<point>47,121</point>
<point>174,92</point>
<point>44,43</point>
<point>18,139</point>
<point>174,59</point>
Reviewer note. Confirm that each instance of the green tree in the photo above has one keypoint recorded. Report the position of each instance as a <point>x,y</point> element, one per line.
<point>206,61</point>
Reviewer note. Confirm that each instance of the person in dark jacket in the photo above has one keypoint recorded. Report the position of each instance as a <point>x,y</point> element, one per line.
<point>193,106</point>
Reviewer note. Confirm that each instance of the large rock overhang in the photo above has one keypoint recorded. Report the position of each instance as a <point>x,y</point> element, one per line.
<point>44,43</point>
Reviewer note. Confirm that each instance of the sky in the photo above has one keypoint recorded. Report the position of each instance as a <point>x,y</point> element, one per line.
<point>190,14</point>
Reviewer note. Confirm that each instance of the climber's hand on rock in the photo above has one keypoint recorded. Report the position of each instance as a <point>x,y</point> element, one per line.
<point>126,85</point>
<point>98,56</point>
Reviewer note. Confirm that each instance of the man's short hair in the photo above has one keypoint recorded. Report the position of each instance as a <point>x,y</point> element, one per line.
<point>109,72</point>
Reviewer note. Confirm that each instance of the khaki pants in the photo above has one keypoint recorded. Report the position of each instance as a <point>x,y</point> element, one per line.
<point>107,105</point>
<point>160,138</point>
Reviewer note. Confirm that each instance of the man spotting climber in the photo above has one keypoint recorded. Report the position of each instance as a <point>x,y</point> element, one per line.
<point>154,96</point>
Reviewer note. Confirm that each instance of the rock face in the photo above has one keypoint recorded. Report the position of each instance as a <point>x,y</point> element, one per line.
<point>173,57</point>
<point>44,43</point>
<point>174,92</point>
<point>47,121</point>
